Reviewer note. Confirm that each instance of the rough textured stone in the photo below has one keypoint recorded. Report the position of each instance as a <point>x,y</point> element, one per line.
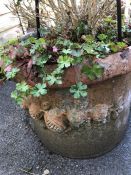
<point>96,124</point>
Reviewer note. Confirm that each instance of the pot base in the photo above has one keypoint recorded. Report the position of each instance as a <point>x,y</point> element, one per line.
<point>88,141</point>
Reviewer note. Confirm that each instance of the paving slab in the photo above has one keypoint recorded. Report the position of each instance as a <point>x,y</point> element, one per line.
<point>21,150</point>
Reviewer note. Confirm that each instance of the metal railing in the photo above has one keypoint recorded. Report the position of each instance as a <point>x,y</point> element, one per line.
<point>119,20</point>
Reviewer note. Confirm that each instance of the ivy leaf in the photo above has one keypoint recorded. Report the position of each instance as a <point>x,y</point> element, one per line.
<point>39,89</point>
<point>55,77</point>
<point>22,90</point>
<point>113,47</point>
<point>102,37</point>
<point>65,61</point>
<point>14,94</point>
<point>88,38</point>
<point>76,53</point>
<point>7,61</point>
<point>92,72</point>
<point>52,79</point>
<point>66,51</point>
<point>121,45</point>
<point>41,60</point>
<point>37,46</point>
<point>88,71</point>
<point>97,70</point>
<point>89,49</point>
<point>22,87</point>
<point>81,86</point>
<point>104,48</point>
<point>17,97</point>
<point>75,46</point>
<point>12,73</point>
<point>28,42</point>
<point>34,49</point>
<point>58,71</point>
<point>78,60</point>
<point>64,42</point>
<point>116,47</point>
<point>79,90</point>
<point>67,43</point>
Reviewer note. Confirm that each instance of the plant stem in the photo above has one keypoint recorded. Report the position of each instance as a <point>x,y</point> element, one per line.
<point>16,8</point>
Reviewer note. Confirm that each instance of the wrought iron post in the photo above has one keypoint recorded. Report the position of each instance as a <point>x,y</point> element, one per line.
<point>37,18</point>
<point>119,20</point>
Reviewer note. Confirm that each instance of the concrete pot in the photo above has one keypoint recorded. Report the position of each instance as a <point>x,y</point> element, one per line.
<point>91,126</point>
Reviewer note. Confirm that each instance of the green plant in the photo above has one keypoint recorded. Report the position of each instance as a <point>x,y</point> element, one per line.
<point>12,73</point>
<point>115,47</point>
<point>39,89</point>
<point>37,46</point>
<point>65,61</point>
<point>79,90</point>
<point>22,87</point>
<point>79,45</point>
<point>102,37</point>
<point>40,60</point>
<point>92,72</point>
<point>21,92</point>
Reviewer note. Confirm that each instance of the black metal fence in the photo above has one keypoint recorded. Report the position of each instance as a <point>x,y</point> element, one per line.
<point>119,19</point>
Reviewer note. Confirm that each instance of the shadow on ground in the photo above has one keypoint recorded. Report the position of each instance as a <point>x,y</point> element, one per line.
<point>21,149</point>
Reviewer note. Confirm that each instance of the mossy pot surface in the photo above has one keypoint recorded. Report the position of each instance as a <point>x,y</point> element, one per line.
<point>86,142</point>
<point>90,126</point>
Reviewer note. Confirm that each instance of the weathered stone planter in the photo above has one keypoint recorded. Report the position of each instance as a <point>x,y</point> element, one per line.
<point>91,126</point>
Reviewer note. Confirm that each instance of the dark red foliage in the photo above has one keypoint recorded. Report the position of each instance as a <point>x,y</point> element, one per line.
<point>18,52</point>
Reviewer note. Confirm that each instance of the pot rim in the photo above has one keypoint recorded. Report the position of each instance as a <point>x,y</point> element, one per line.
<point>114,65</point>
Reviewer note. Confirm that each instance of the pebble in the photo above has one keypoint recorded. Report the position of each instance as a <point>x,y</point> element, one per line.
<point>46,172</point>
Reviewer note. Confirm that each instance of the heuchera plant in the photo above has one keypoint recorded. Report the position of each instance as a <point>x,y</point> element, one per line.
<point>30,57</point>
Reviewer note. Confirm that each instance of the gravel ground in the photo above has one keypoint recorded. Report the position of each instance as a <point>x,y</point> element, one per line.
<point>21,150</point>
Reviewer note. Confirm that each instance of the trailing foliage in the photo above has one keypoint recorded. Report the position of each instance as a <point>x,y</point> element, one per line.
<point>31,57</point>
